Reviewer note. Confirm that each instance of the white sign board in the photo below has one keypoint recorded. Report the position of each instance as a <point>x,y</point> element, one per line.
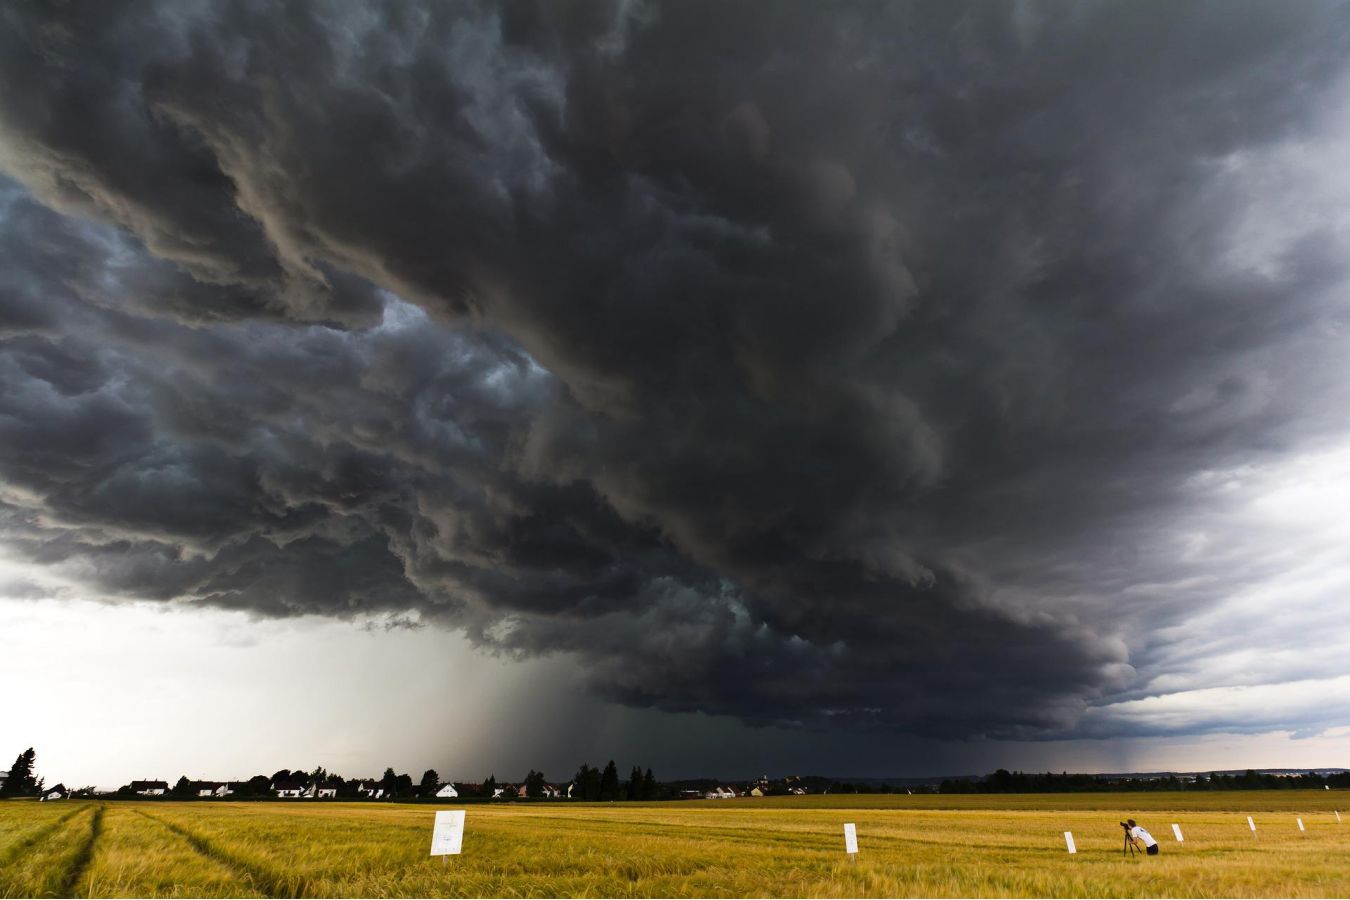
<point>850,838</point>
<point>1300,824</point>
<point>1251,824</point>
<point>1176,829</point>
<point>1068,840</point>
<point>448,835</point>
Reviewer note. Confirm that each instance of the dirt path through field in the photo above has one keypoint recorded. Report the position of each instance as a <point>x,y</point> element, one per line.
<point>80,861</point>
<point>264,882</point>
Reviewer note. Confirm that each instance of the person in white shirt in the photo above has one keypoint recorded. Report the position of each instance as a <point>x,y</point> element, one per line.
<point>1139,835</point>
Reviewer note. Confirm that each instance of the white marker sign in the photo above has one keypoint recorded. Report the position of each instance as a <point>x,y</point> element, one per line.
<point>850,838</point>
<point>1176,829</point>
<point>1251,824</point>
<point>1338,816</point>
<point>448,835</point>
<point>1068,840</point>
<point>1300,824</point>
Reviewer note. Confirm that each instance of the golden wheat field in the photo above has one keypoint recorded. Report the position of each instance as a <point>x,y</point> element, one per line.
<point>789,847</point>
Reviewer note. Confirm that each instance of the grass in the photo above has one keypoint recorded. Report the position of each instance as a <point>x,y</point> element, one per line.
<point>46,858</point>
<point>779,847</point>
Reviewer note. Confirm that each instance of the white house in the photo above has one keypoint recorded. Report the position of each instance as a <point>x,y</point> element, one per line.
<point>150,788</point>
<point>55,793</point>
<point>328,793</point>
<point>720,793</point>
<point>447,790</point>
<point>212,789</point>
<point>288,789</point>
<point>370,789</point>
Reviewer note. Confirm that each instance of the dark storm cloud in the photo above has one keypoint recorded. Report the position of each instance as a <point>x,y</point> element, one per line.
<point>795,364</point>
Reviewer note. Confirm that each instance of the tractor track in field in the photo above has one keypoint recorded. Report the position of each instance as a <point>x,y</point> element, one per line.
<point>22,846</point>
<point>266,883</point>
<point>79,864</point>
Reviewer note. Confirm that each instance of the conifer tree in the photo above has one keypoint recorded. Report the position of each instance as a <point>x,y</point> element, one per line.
<point>649,789</point>
<point>21,781</point>
<point>634,785</point>
<point>609,782</point>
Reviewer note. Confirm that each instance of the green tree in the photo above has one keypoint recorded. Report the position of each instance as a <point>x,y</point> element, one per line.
<point>183,787</point>
<point>534,784</point>
<point>22,780</point>
<point>586,785</point>
<point>430,782</point>
<point>649,789</point>
<point>609,783</point>
<point>490,786</point>
<point>389,781</point>
<point>633,788</point>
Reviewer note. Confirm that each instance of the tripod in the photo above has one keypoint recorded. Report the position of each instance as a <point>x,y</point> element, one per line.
<point>1129,845</point>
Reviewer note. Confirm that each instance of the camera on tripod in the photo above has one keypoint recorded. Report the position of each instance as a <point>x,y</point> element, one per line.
<point>1129,840</point>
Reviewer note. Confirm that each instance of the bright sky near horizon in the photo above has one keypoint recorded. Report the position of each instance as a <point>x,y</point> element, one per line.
<point>862,390</point>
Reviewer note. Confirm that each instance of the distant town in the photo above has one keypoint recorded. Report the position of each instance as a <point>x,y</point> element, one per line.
<point>606,785</point>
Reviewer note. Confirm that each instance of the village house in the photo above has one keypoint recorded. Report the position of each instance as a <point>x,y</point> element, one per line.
<point>551,791</point>
<point>150,788</point>
<point>286,789</point>
<point>211,789</point>
<point>370,789</point>
<point>446,790</point>
<point>55,793</point>
<point>720,793</point>
<point>315,792</point>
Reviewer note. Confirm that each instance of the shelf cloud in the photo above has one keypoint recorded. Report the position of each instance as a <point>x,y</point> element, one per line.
<point>939,369</point>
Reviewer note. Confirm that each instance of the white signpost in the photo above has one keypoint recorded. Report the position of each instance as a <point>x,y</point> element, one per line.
<point>1176,829</point>
<point>1251,825</point>
<point>1068,841</point>
<point>1338,816</point>
<point>850,840</point>
<point>447,837</point>
<point>1300,824</point>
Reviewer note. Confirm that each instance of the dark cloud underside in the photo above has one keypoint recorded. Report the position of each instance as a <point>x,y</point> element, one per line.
<point>816,364</point>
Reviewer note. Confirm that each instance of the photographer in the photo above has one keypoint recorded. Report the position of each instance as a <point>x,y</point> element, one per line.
<point>1137,834</point>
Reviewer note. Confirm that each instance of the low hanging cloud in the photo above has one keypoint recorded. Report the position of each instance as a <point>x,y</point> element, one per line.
<point>857,367</point>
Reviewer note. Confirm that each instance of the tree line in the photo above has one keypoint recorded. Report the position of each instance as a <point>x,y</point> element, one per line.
<point>588,784</point>
<point>1005,782</point>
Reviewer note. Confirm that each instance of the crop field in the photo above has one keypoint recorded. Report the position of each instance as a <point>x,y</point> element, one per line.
<point>789,847</point>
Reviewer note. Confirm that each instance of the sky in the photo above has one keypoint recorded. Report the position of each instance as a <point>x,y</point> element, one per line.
<point>851,389</point>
